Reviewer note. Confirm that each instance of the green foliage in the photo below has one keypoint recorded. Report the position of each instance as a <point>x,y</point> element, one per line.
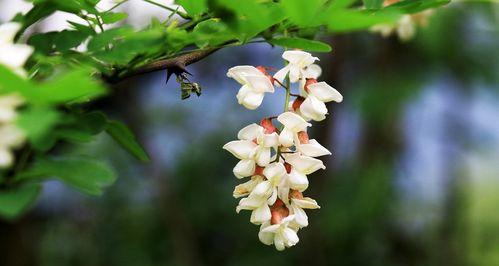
<point>126,139</point>
<point>300,43</point>
<point>64,77</point>
<point>17,200</point>
<point>85,175</point>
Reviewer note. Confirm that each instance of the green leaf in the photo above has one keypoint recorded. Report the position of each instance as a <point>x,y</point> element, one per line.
<point>37,122</point>
<point>16,201</point>
<point>342,20</point>
<point>416,6</point>
<point>211,32</point>
<point>193,8</point>
<point>110,17</point>
<point>126,139</point>
<point>10,82</point>
<point>85,175</point>
<point>373,4</point>
<point>74,86</point>
<point>83,127</point>
<point>303,13</point>
<point>304,44</point>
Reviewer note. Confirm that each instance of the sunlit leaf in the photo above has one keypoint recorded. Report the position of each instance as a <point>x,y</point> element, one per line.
<point>126,139</point>
<point>303,44</point>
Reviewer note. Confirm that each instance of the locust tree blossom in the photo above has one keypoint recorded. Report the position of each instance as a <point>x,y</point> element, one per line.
<point>405,27</point>
<point>278,159</point>
<point>254,85</point>
<point>12,56</point>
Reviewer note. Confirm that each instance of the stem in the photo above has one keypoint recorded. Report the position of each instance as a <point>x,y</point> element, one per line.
<point>181,14</point>
<point>115,6</point>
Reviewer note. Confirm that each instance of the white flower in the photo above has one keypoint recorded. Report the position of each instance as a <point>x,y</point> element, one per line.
<point>10,137</point>
<point>255,85</point>
<point>245,189</point>
<point>299,66</point>
<point>253,146</point>
<point>282,235</point>
<point>314,107</point>
<point>259,207</point>
<point>268,188</point>
<point>312,148</point>
<point>293,124</point>
<point>304,164</point>
<point>297,206</point>
<point>12,55</point>
<point>8,105</point>
<point>406,28</point>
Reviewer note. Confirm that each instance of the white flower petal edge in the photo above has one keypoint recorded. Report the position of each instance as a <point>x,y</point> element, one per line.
<point>13,55</point>
<point>254,85</point>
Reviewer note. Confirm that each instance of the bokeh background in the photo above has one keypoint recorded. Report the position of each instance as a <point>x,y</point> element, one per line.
<point>413,180</point>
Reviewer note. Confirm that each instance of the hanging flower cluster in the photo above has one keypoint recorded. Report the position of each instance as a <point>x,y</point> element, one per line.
<point>277,161</point>
<point>405,27</point>
<point>13,56</point>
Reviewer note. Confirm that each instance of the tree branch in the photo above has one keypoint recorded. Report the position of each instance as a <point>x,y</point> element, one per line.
<point>174,65</point>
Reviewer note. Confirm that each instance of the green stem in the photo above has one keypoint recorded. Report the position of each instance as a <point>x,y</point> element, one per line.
<point>181,14</point>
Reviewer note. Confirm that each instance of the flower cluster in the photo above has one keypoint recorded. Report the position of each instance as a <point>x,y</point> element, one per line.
<point>13,56</point>
<point>405,27</point>
<point>277,161</point>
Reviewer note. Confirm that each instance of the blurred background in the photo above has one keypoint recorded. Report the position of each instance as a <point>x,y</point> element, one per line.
<point>413,179</point>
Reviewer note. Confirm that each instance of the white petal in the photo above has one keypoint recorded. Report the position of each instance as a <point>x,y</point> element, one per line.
<point>304,164</point>
<point>293,121</point>
<point>313,149</point>
<point>283,190</point>
<point>286,137</point>
<point>8,31</point>
<point>250,132</point>
<point>273,172</point>
<point>11,136</point>
<point>244,168</point>
<point>250,203</point>
<point>273,197</point>
<point>249,98</point>
<point>262,156</point>
<point>281,74</point>
<point>294,73</point>
<point>14,56</point>
<point>240,72</point>
<point>241,149</point>
<point>259,83</point>
<point>290,236</point>
<point>306,203</point>
<point>263,189</point>
<point>269,140</point>
<point>324,92</point>
<point>313,109</point>
<point>298,57</point>
<point>261,214</point>
<point>279,241</point>
<point>266,238</point>
<point>245,189</point>
<point>270,229</point>
<point>6,158</point>
<point>301,217</point>
<point>297,180</point>
<point>313,71</point>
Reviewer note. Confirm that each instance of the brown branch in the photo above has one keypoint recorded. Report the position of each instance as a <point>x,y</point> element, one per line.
<point>174,65</point>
